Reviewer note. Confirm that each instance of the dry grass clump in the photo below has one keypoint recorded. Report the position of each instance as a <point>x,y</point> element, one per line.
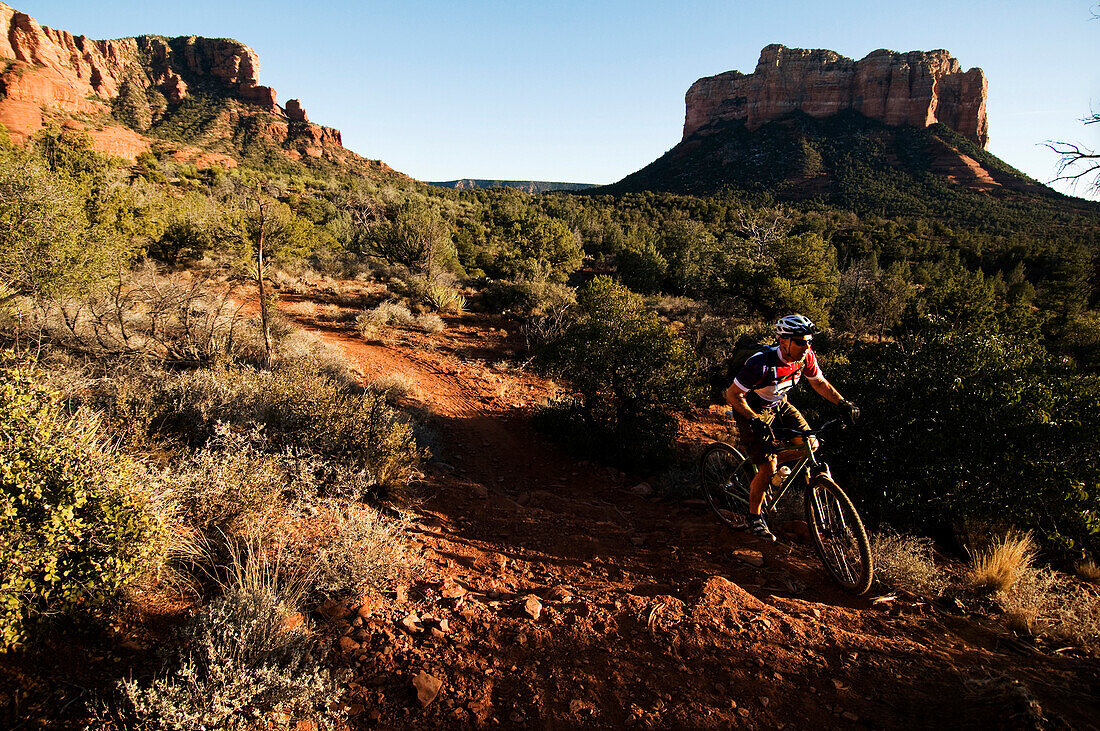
<point>1033,594</point>
<point>431,324</point>
<point>386,314</point>
<point>998,566</point>
<point>907,563</point>
<point>394,386</point>
<point>1042,603</point>
<point>1088,571</point>
<point>249,654</point>
<point>361,548</point>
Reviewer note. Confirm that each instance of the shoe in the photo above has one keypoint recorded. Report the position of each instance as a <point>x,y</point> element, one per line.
<point>760,529</point>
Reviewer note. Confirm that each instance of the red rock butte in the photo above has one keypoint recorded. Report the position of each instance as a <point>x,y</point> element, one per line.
<point>53,70</point>
<point>916,88</point>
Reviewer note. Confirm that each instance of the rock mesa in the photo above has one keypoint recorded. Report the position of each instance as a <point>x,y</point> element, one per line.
<point>916,88</point>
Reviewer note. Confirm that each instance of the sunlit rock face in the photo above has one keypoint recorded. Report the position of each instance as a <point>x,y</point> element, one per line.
<point>916,88</point>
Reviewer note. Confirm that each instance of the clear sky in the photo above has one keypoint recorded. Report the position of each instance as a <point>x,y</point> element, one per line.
<point>591,90</point>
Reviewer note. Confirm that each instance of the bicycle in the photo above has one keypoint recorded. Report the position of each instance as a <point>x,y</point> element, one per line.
<point>835,526</point>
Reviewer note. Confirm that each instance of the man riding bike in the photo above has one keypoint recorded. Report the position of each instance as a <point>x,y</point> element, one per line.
<point>758,396</point>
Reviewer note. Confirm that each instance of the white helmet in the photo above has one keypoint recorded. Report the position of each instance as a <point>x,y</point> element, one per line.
<point>794,326</point>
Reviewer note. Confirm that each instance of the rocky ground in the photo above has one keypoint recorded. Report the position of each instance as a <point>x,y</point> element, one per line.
<point>559,594</point>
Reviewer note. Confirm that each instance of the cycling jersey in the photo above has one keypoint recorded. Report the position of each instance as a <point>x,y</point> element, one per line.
<point>766,377</point>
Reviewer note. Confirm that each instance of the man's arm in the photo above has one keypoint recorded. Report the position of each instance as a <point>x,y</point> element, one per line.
<point>826,390</point>
<point>735,397</point>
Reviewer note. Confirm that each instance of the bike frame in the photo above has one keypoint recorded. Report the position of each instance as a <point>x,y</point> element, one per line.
<point>800,463</point>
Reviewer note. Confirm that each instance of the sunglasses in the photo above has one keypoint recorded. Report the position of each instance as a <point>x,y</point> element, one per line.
<point>800,342</point>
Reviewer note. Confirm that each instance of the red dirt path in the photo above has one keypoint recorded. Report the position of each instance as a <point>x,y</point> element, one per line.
<point>651,613</point>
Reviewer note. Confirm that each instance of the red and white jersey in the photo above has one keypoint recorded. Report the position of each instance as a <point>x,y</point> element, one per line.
<point>769,376</point>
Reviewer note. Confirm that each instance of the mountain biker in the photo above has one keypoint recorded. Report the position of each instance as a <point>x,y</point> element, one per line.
<point>758,396</point>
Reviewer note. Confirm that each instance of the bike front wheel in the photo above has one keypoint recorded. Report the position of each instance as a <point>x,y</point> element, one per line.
<point>838,535</point>
<point>724,476</point>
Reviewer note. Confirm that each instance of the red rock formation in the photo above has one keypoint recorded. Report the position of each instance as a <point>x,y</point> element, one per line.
<point>295,112</point>
<point>54,69</point>
<point>915,88</point>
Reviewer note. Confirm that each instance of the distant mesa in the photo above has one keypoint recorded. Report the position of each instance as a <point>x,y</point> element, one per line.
<point>891,132</point>
<point>917,88</point>
<point>53,74</point>
<point>528,186</point>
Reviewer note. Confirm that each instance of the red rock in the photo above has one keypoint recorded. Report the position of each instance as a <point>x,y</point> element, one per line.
<point>427,687</point>
<point>915,88</point>
<point>55,69</point>
<point>532,607</point>
<point>348,645</point>
<point>452,590</point>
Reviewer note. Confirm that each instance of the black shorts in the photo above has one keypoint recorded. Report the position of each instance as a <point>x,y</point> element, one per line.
<point>781,415</point>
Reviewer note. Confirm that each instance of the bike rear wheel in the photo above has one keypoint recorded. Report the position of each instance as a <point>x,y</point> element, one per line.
<point>724,476</point>
<point>838,535</point>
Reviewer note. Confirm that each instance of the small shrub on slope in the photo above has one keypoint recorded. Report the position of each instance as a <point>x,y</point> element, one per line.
<point>245,656</point>
<point>629,372</point>
<point>907,563</point>
<point>72,532</point>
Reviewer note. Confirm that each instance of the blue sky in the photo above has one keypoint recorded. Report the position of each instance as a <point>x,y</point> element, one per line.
<point>591,91</point>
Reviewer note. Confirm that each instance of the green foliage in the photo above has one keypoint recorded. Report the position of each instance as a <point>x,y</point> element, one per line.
<point>417,238</point>
<point>131,106</point>
<point>975,424</point>
<point>47,246</point>
<point>629,371</point>
<point>297,406</point>
<point>525,244</point>
<point>71,530</point>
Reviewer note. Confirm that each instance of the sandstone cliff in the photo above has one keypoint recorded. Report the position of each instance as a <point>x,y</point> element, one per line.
<point>914,88</point>
<point>44,72</point>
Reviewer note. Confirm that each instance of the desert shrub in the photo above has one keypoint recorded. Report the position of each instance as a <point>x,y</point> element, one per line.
<point>393,386</point>
<point>226,486</point>
<point>245,656</point>
<point>386,314</point>
<point>527,296</point>
<point>997,566</point>
<point>927,463</point>
<point>72,531</point>
<point>301,407</point>
<point>298,407</point>
<point>628,370</point>
<point>361,548</point>
<point>430,323</point>
<point>907,563</point>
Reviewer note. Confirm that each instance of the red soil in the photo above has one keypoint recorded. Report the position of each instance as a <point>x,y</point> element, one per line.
<point>652,613</point>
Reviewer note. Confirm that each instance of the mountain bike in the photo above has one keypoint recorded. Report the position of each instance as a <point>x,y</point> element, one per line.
<point>835,526</point>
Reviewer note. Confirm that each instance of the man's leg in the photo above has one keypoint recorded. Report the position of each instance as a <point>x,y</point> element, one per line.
<point>765,468</point>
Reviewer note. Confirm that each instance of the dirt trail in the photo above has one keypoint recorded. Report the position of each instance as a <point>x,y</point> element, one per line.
<point>556,597</point>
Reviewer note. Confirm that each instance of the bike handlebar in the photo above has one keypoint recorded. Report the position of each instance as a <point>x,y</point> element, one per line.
<point>832,423</point>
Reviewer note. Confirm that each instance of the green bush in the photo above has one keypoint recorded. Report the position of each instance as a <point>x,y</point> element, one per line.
<point>629,372</point>
<point>71,531</point>
<point>975,425</point>
<point>297,406</point>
